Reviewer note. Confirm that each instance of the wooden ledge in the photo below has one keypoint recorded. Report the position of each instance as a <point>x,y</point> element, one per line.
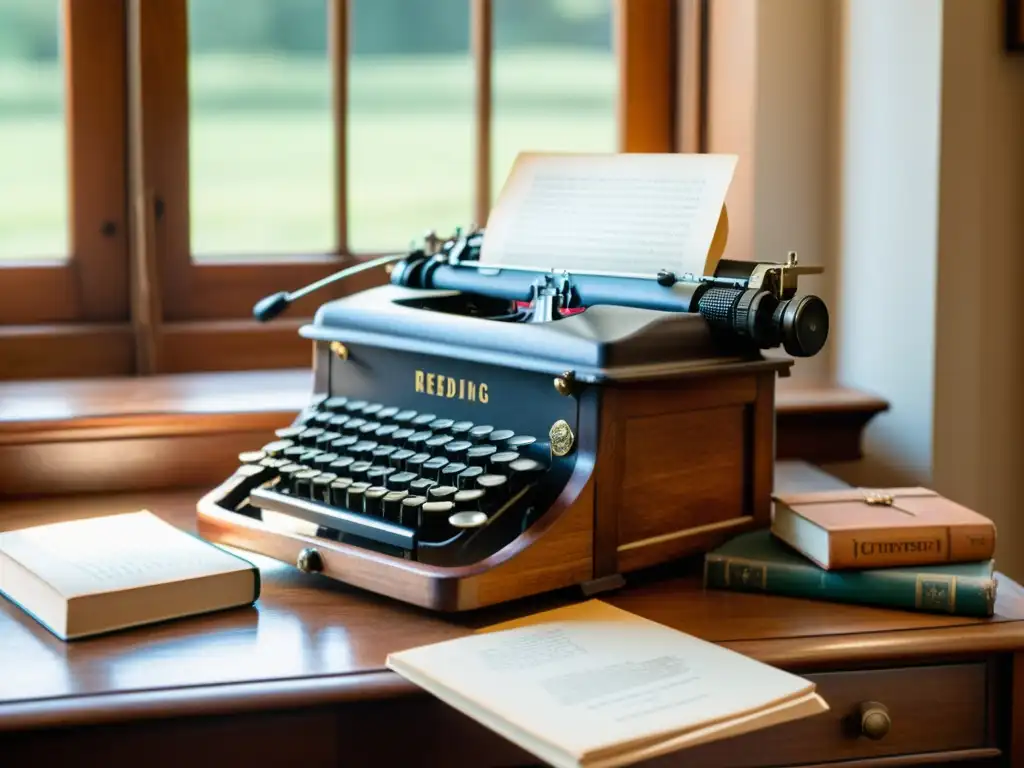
<point>70,436</point>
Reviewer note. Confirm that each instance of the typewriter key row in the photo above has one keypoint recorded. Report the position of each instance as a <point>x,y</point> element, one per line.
<point>391,476</point>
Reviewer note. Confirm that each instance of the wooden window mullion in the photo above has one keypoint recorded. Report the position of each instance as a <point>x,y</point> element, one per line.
<point>645,39</point>
<point>482,37</point>
<point>339,42</point>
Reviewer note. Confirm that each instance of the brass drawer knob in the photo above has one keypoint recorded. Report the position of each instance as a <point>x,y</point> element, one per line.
<point>874,720</point>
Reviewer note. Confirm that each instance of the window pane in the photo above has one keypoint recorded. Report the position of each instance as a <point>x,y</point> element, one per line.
<point>261,128</point>
<point>33,143</point>
<point>554,79</point>
<point>410,121</point>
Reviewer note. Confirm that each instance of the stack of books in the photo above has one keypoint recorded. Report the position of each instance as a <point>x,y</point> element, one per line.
<point>904,548</point>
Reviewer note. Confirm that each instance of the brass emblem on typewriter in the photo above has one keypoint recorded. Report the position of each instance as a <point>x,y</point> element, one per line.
<point>339,349</point>
<point>561,437</point>
<point>451,388</point>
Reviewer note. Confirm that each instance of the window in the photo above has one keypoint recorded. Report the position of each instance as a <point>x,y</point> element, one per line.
<point>63,240</point>
<point>263,150</point>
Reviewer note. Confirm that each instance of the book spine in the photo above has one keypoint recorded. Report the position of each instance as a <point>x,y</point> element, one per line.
<point>921,591</point>
<point>896,547</point>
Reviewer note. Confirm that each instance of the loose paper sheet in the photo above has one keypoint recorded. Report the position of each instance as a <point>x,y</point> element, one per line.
<point>623,214</point>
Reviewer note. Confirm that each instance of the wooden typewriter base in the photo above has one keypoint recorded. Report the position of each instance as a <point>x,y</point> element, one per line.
<point>664,469</point>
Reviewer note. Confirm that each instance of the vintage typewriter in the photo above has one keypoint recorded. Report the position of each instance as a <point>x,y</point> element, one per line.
<point>479,434</point>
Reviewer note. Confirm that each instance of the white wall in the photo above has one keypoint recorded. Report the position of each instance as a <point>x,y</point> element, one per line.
<point>887,178</point>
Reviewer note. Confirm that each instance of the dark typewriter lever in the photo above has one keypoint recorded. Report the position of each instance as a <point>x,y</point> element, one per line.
<point>271,306</point>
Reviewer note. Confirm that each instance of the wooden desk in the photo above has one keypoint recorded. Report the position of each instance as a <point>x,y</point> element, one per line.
<point>299,679</point>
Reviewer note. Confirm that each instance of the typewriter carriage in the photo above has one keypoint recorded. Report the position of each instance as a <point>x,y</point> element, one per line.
<point>671,416</point>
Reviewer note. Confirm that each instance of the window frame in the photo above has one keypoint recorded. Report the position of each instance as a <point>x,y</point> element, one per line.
<point>140,303</point>
<point>91,284</point>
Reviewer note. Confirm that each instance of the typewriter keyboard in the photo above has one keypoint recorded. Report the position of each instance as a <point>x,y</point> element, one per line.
<point>411,484</point>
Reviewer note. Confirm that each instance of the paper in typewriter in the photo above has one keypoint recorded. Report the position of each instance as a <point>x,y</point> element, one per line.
<point>625,214</point>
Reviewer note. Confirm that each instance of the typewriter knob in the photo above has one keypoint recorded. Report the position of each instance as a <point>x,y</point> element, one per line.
<point>803,324</point>
<point>565,384</point>
<point>309,561</point>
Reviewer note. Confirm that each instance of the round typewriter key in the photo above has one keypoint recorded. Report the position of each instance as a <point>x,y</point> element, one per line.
<point>371,409</point>
<point>251,457</point>
<point>423,419</point>
<point>415,462</point>
<point>421,485</point>
<point>480,433</point>
<point>309,436</point>
<point>339,491</point>
<point>275,463</point>
<point>335,403</point>
<point>308,455</point>
<point>373,500</point>
<point>376,474</point>
<point>354,496</point>
<point>325,438</point>
<point>343,443</point>
<point>440,425</point>
<point>524,471</point>
<point>341,464</point>
<point>461,429</point>
<point>324,459</point>
<point>400,481</point>
<point>432,467</point>
<point>302,482</point>
<point>401,436</point>
<point>324,417</point>
<point>357,470</point>
<point>363,448</point>
<point>381,452</point>
<point>369,427</point>
<point>411,510</point>
<point>469,519</point>
<point>478,455</point>
<point>500,461</point>
<point>393,505</point>
<point>433,518</point>
<point>442,492</point>
<point>277,447</point>
<point>383,434</point>
<point>467,477</point>
<point>386,413</point>
<point>468,500</point>
<point>403,417</point>
<point>416,440</point>
<point>450,474</point>
<point>520,441</point>
<point>397,459</point>
<point>457,450</point>
<point>294,452</point>
<point>336,422</point>
<point>492,483</point>
<point>352,426</point>
<point>437,441</point>
<point>289,433</point>
<point>355,405</point>
<point>249,470</point>
<point>322,486</point>
<point>500,437</point>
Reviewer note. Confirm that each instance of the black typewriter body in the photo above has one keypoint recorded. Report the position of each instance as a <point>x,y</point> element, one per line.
<point>456,451</point>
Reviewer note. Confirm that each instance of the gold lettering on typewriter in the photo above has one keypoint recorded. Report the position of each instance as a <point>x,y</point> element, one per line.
<point>451,388</point>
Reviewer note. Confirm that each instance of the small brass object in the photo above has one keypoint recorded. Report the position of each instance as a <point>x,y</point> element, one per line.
<point>339,349</point>
<point>562,438</point>
<point>565,384</point>
<point>874,720</point>
<point>309,561</point>
<point>879,499</point>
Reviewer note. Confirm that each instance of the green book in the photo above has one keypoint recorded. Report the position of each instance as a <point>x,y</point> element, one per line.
<point>759,562</point>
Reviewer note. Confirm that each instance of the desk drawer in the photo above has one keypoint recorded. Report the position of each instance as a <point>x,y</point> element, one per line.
<point>930,709</point>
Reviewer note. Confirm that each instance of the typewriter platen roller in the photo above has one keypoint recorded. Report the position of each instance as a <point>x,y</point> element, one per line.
<point>475,435</point>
